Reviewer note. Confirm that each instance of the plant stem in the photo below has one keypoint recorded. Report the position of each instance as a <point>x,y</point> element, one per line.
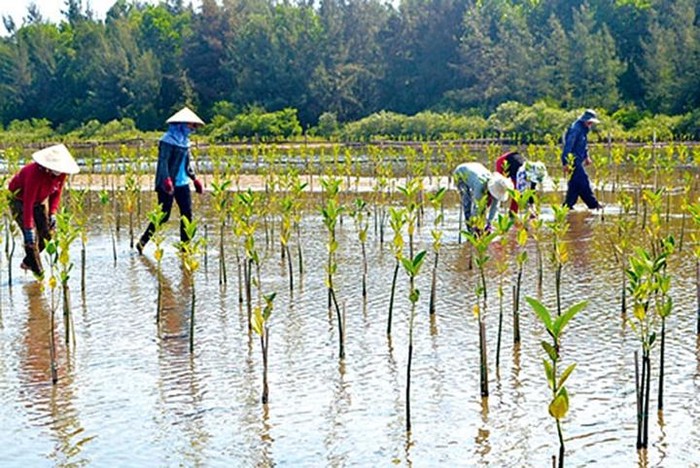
<point>192,317</point>
<point>433,284</point>
<point>483,364</point>
<point>660,401</point>
<point>391,298</point>
<point>341,331</point>
<point>561,445</point>
<point>516,306</point>
<point>408,370</point>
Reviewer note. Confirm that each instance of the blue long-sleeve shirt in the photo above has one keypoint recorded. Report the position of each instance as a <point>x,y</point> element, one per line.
<point>172,160</point>
<point>575,144</point>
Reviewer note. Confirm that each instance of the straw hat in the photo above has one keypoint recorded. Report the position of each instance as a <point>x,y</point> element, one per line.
<point>56,158</point>
<point>535,171</point>
<point>185,115</point>
<point>498,186</point>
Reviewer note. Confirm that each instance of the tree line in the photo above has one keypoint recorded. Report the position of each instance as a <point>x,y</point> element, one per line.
<point>350,59</point>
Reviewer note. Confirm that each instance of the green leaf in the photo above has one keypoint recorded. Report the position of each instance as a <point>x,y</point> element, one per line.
<point>551,351</point>
<point>541,312</point>
<point>560,405</point>
<point>549,372</point>
<point>564,318</point>
<point>565,375</point>
<point>257,321</point>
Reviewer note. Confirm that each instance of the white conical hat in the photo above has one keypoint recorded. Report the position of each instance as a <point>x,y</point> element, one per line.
<point>498,186</point>
<point>185,115</point>
<point>56,158</point>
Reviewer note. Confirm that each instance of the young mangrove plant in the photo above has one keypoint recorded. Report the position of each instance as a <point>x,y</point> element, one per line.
<point>52,251</point>
<point>412,192</point>
<point>397,220</point>
<point>331,214</point>
<point>190,251</point>
<point>648,288</point>
<point>155,217</point>
<point>694,209</point>
<point>480,240</point>
<point>80,219</point>
<point>521,222</point>
<point>104,200</point>
<point>66,233</point>
<point>261,317</point>
<point>503,225</point>
<point>559,254</point>
<point>412,267</point>
<point>621,242</point>
<point>287,206</point>
<point>360,215</point>
<point>435,201</point>
<point>247,225</point>
<point>131,198</point>
<point>221,202</point>
<point>559,405</point>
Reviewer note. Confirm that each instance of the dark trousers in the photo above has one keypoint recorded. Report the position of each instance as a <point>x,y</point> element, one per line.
<point>43,234</point>
<point>183,198</point>
<point>465,194</point>
<point>580,186</point>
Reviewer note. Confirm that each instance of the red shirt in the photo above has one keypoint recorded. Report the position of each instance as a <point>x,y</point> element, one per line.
<point>33,185</point>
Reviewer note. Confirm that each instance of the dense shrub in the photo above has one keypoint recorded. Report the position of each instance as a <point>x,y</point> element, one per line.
<point>259,124</point>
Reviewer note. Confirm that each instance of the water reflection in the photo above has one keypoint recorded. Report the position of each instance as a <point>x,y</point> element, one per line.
<point>51,405</point>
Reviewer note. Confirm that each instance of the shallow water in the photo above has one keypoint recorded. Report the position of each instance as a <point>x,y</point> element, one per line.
<point>129,395</point>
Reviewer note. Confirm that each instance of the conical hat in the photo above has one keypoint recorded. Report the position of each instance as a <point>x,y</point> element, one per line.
<point>498,186</point>
<point>56,158</point>
<point>535,171</point>
<point>185,115</point>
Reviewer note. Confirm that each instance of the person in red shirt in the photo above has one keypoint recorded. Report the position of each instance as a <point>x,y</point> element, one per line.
<point>36,191</point>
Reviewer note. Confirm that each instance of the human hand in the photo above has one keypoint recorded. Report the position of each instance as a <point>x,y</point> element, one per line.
<point>587,161</point>
<point>29,236</point>
<point>168,186</point>
<point>566,170</point>
<point>198,186</point>
<point>52,222</point>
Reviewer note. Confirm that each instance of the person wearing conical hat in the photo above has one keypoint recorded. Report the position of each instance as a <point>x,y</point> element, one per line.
<point>474,182</point>
<point>523,173</point>
<point>36,191</point>
<point>174,171</point>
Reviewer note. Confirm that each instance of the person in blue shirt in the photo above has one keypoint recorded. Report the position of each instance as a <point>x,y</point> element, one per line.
<point>174,171</point>
<point>473,182</point>
<point>573,158</point>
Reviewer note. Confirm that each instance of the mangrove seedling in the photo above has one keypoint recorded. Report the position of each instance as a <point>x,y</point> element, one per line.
<point>648,287</point>
<point>104,200</point>
<point>52,251</point>
<point>156,217</point>
<point>694,210</point>
<point>221,202</point>
<point>503,225</point>
<point>435,201</point>
<point>66,233</point>
<point>331,214</point>
<point>190,251</point>
<point>261,316</point>
<point>360,215</point>
<point>559,254</point>
<point>412,267</point>
<point>559,405</point>
<point>480,240</point>
<point>397,220</point>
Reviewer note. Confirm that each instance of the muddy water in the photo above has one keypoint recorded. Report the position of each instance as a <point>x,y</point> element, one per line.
<point>130,395</point>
